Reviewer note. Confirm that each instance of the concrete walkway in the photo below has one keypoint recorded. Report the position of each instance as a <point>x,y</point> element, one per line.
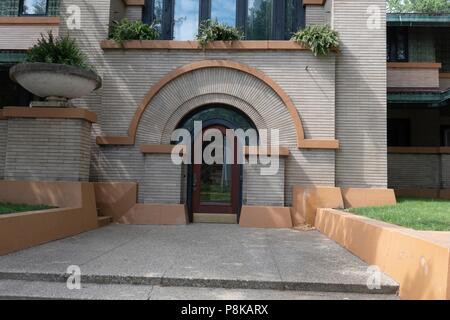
<point>198,256</point>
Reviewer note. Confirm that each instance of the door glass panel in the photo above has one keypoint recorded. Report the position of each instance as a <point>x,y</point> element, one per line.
<point>224,11</point>
<point>215,184</point>
<point>186,18</point>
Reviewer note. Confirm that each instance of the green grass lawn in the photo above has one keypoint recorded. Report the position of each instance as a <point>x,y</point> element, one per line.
<point>418,214</point>
<point>6,208</point>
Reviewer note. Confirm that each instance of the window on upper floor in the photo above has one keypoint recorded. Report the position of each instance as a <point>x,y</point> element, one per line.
<point>398,132</point>
<point>259,19</point>
<point>397,44</point>
<point>33,7</point>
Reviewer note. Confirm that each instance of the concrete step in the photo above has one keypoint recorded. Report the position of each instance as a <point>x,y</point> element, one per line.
<point>215,218</point>
<point>104,221</point>
<point>20,289</point>
<point>388,287</point>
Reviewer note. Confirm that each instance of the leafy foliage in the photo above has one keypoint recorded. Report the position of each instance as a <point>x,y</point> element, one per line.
<point>215,31</point>
<point>419,6</point>
<point>132,30</point>
<point>319,38</point>
<point>61,50</point>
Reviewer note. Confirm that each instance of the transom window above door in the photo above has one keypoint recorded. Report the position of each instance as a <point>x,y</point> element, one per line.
<point>259,19</point>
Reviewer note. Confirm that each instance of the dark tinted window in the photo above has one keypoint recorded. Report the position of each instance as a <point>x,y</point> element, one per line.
<point>399,133</point>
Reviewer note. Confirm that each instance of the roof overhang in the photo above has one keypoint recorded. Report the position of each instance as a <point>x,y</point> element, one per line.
<point>432,97</point>
<point>417,20</point>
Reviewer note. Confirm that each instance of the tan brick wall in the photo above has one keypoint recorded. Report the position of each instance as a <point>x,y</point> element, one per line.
<point>412,78</point>
<point>48,149</point>
<point>19,37</point>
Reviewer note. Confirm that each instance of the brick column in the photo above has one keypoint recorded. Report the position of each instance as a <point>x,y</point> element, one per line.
<point>48,144</point>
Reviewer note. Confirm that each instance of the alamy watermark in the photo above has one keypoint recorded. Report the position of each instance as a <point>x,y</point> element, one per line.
<point>236,146</point>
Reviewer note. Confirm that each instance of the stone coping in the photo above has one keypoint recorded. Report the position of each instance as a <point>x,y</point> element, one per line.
<point>314,2</point>
<point>414,65</point>
<point>419,150</point>
<point>49,113</point>
<point>134,2</point>
<point>214,45</point>
<point>30,20</point>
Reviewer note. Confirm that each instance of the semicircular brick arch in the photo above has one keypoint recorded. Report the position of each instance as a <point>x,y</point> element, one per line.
<point>243,90</point>
<point>207,99</point>
<point>246,81</point>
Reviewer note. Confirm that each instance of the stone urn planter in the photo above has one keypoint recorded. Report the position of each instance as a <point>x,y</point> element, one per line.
<point>55,82</point>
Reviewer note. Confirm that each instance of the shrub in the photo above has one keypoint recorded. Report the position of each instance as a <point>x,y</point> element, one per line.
<point>319,38</point>
<point>215,31</point>
<point>132,30</point>
<point>61,50</point>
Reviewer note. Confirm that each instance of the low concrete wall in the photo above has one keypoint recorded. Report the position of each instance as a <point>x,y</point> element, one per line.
<point>114,199</point>
<point>157,214</point>
<point>418,260</point>
<point>265,217</point>
<point>368,197</point>
<point>305,202</point>
<point>76,213</point>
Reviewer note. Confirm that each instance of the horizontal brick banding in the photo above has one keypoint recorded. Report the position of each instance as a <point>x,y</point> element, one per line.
<point>47,21</point>
<point>50,113</point>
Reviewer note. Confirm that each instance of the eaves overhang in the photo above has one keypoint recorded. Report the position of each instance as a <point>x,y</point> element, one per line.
<point>417,96</point>
<point>417,20</point>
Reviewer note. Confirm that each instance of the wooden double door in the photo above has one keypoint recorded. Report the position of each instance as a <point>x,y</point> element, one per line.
<point>216,187</point>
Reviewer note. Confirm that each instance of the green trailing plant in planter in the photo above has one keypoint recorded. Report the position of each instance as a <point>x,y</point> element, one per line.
<point>319,38</point>
<point>124,30</point>
<point>59,50</point>
<point>216,31</point>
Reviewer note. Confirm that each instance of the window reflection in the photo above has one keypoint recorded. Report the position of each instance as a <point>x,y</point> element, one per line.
<point>186,19</point>
<point>158,14</point>
<point>34,7</point>
<point>224,11</point>
<point>259,19</point>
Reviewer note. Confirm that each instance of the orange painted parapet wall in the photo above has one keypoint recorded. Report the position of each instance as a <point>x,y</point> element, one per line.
<point>368,197</point>
<point>75,213</point>
<point>157,214</point>
<point>305,202</point>
<point>115,198</point>
<point>119,200</point>
<point>418,260</point>
<point>265,217</point>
